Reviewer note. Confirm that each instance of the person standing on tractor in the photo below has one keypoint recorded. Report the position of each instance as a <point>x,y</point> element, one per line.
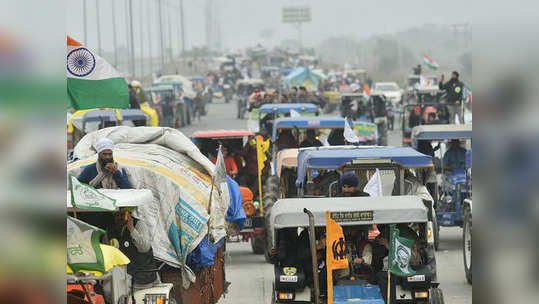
<point>415,117</point>
<point>133,101</point>
<point>453,89</point>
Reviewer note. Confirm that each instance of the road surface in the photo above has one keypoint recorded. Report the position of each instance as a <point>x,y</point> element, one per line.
<point>252,277</point>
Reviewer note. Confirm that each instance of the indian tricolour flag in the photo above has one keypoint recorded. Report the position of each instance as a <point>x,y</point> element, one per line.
<point>366,93</point>
<point>433,65</point>
<point>91,81</point>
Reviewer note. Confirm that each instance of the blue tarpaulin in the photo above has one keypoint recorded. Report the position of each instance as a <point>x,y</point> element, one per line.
<point>235,212</point>
<point>367,294</point>
<point>204,253</point>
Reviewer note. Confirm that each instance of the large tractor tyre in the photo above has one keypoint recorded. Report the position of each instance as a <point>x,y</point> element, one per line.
<point>188,111</point>
<point>258,245</point>
<point>467,245</point>
<point>273,296</point>
<point>272,186</point>
<point>273,180</point>
<point>436,296</point>
<point>180,121</point>
<point>269,201</point>
<point>272,190</point>
<point>436,231</point>
<point>266,256</point>
<point>238,109</point>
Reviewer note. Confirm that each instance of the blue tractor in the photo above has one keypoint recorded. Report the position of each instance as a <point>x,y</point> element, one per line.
<point>452,177</point>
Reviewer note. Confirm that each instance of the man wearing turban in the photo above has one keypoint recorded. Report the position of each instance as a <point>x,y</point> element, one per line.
<point>104,173</point>
<point>349,182</point>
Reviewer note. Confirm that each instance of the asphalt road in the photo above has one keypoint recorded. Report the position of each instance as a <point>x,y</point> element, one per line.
<point>252,277</point>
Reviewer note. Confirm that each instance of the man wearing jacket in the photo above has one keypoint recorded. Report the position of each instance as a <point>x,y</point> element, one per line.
<point>453,89</point>
<point>105,173</point>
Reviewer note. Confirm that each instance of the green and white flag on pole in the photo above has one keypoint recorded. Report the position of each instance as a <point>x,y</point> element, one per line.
<point>83,249</point>
<point>400,253</point>
<point>86,197</point>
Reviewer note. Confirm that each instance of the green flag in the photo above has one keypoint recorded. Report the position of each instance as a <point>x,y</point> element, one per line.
<point>83,249</point>
<point>86,197</point>
<point>400,252</point>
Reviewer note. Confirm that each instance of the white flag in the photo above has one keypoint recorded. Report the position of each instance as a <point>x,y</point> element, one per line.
<point>294,113</point>
<point>374,186</point>
<point>324,141</point>
<point>219,175</point>
<point>349,134</point>
<point>84,196</point>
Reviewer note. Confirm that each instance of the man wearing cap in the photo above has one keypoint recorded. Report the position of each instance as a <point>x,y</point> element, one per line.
<point>133,101</point>
<point>349,182</point>
<point>104,173</point>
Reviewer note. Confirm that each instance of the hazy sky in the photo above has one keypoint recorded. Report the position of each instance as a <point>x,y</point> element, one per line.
<point>241,21</point>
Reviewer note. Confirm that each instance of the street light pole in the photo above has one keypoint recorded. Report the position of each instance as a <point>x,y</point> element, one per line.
<point>183,26</point>
<point>161,35</point>
<point>150,38</point>
<point>300,36</point>
<point>98,27</point>
<point>170,48</point>
<point>141,41</point>
<point>114,38</point>
<point>85,22</point>
<point>128,43</point>
<point>132,44</point>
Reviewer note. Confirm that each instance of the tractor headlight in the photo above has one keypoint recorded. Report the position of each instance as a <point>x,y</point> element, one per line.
<point>159,298</point>
<point>286,296</point>
<point>421,295</point>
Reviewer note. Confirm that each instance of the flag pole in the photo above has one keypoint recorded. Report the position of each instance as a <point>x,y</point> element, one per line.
<point>209,206</point>
<point>74,212</point>
<point>258,152</point>
<point>314,260</point>
<point>260,192</point>
<point>329,269</point>
<point>388,287</point>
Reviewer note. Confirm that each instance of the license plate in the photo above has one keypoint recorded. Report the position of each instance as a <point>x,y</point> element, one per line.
<point>248,223</point>
<point>417,278</point>
<point>285,278</point>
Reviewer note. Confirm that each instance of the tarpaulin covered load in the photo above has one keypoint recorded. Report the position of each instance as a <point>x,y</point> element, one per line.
<point>186,84</point>
<point>167,162</point>
<point>303,76</point>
